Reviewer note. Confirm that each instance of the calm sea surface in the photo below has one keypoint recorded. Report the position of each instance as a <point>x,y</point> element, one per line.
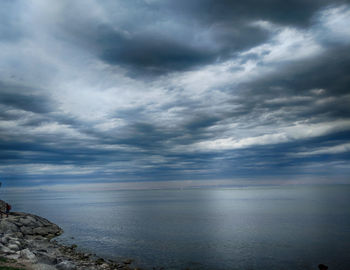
<point>244,228</point>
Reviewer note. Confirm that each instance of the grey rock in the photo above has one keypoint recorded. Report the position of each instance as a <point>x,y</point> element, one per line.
<point>6,226</point>
<point>104,266</point>
<point>18,224</point>
<point>128,261</point>
<point>13,247</point>
<point>13,256</point>
<point>34,237</point>
<point>88,267</point>
<point>49,230</point>
<point>50,235</point>
<point>26,230</point>
<point>19,234</point>
<point>43,221</point>
<point>15,242</point>
<point>38,223</point>
<point>43,266</point>
<point>47,258</point>
<point>4,240</point>
<point>100,261</point>
<point>66,265</point>
<point>87,255</point>
<point>26,254</point>
<point>27,220</point>
<point>6,250</point>
<point>41,231</point>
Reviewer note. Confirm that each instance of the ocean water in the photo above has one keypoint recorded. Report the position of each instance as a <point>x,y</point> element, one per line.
<point>280,228</point>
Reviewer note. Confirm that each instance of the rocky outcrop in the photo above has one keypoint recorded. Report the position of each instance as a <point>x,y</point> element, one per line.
<point>28,226</point>
<point>27,240</point>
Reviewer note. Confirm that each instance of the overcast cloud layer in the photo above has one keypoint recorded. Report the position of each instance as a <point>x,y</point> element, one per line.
<point>155,90</point>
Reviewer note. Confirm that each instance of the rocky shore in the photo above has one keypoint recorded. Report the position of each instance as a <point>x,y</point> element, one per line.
<point>26,242</point>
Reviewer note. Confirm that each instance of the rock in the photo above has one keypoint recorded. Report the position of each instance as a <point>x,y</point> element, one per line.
<point>13,247</point>
<point>27,220</point>
<point>45,257</point>
<point>26,254</point>
<point>127,261</point>
<point>15,242</point>
<point>100,261</point>
<point>87,255</point>
<point>6,226</point>
<point>43,266</point>
<point>26,230</point>
<point>27,238</point>
<point>44,231</point>
<point>43,221</point>
<point>6,250</point>
<point>19,234</point>
<point>104,266</point>
<point>66,265</point>
<point>4,240</point>
<point>14,256</point>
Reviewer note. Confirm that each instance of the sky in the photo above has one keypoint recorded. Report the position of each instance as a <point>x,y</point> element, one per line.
<point>174,93</point>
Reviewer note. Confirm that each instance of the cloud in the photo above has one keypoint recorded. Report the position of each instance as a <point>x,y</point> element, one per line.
<point>197,33</point>
<point>24,98</point>
<point>133,91</point>
<point>290,133</point>
<point>331,150</point>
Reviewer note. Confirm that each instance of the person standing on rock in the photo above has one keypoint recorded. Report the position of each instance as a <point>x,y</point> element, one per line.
<point>8,208</point>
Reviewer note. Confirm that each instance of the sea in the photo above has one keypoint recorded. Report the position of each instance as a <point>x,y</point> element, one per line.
<point>283,227</point>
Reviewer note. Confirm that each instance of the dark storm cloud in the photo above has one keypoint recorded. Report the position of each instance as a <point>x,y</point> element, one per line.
<point>160,51</point>
<point>178,35</point>
<point>292,12</point>
<point>154,53</point>
<point>170,40</point>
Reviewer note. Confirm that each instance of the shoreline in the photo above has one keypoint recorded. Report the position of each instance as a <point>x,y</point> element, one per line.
<point>27,242</point>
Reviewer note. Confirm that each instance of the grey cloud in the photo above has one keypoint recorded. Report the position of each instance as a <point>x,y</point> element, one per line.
<point>10,30</point>
<point>328,73</point>
<point>294,12</point>
<point>153,53</point>
<point>160,52</point>
<point>165,36</point>
<point>24,98</point>
<point>230,30</point>
<point>162,37</point>
<point>160,44</point>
